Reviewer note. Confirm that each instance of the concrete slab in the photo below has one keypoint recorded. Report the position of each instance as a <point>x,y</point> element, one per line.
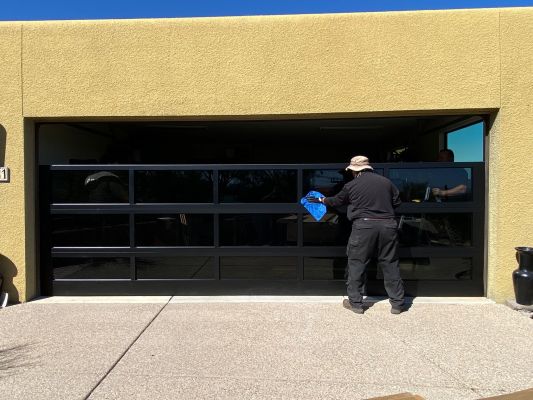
<point>103,300</point>
<point>188,387</point>
<point>62,344</point>
<point>276,341</point>
<point>484,347</point>
<point>322,299</point>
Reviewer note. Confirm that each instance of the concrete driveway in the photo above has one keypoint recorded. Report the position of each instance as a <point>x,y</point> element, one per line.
<point>260,348</point>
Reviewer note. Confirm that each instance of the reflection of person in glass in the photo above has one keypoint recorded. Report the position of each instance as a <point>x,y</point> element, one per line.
<point>448,183</point>
<point>371,199</point>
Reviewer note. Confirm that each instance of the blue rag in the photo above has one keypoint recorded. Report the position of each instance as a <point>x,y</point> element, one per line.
<point>317,210</point>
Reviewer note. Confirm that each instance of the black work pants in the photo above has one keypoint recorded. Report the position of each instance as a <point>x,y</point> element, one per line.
<point>369,238</point>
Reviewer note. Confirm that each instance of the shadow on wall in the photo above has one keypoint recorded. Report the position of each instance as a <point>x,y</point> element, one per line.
<point>2,146</point>
<point>9,271</point>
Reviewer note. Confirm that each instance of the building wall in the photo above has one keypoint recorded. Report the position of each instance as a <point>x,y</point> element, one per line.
<point>367,64</point>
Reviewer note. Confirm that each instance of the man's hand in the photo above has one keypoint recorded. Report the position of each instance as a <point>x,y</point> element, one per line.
<point>437,192</point>
<point>312,199</point>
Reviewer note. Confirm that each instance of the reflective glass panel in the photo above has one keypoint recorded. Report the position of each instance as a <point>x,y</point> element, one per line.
<point>174,230</point>
<point>436,230</point>
<point>173,186</point>
<point>90,230</point>
<point>258,267</point>
<point>432,268</point>
<point>258,229</point>
<point>91,268</point>
<point>325,268</point>
<point>332,230</point>
<point>426,184</point>
<point>174,267</point>
<point>329,182</point>
<point>90,187</point>
<point>258,186</point>
<point>467,143</point>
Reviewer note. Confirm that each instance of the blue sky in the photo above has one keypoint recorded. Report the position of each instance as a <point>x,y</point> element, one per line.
<point>13,10</point>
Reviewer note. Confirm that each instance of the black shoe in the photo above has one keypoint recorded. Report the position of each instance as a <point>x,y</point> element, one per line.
<point>358,310</point>
<point>396,310</point>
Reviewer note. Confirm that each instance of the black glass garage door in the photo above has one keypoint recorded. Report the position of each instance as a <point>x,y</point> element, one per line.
<point>239,229</point>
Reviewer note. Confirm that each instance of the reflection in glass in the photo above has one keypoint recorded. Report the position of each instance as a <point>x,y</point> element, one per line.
<point>329,182</point>
<point>99,230</point>
<point>417,184</point>
<point>174,267</point>
<point>325,268</point>
<point>433,268</point>
<point>258,186</point>
<point>91,268</point>
<point>258,267</point>
<point>173,186</point>
<point>174,230</point>
<point>90,186</point>
<point>332,230</point>
<point>436,230</point>
<point>258,229</point>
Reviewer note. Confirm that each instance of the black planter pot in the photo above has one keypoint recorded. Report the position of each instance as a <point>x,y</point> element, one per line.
<point>523,276</point>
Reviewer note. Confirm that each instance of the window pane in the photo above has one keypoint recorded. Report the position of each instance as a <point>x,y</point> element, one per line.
<point>259,186</point>
<point>173,186</point>
<point>174,267</point>
<point>90,230</point>
<point>174,230</point>
<point>436,230</point>
<point>90,187</point>
<point>325,268</point>
<point>91,268</point>
<point>433,268</point>
<point>417,184</point>
<point>258,229</point>
<point>467,143</point>
<point>329,182</point>
<point>332,230</point>
<point>258,267</point>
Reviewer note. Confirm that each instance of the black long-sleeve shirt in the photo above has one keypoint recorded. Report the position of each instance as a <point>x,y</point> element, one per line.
<point>369,195</point>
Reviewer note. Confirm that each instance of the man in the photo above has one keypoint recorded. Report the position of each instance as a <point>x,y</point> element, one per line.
<point>448,183</point>
<point>371,200</point>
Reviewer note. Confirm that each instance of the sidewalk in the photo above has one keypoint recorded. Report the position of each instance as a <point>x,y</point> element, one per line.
<point>299,348</point>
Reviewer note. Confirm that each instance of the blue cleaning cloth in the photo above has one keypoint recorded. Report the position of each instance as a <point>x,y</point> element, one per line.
<point>317,210</point>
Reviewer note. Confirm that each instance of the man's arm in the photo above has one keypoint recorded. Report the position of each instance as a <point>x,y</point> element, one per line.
<point>396,201</point>
<point>339,199</point>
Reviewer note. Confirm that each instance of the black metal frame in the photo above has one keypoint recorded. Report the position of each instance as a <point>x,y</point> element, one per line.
<point>211,286</point>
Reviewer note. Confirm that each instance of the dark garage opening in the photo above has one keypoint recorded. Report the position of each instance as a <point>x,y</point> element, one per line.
<point>206,207</point>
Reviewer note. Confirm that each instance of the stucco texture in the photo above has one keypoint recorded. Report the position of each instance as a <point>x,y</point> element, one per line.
<point>371,64</point>
<point>511,154</point>
<point>13,253</point>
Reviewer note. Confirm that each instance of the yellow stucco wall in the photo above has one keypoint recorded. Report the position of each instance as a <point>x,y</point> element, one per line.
<point>511,154</point>
<point>12,226</point>
<point>278,66</point>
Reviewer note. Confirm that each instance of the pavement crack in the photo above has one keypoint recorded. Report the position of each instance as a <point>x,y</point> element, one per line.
<point>125,351</point>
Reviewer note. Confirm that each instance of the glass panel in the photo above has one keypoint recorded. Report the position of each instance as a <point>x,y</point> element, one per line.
<point>91,268</point>
<point>90,230</point>
<point>467,143</point>
<point>258,229</point>
<point>174,267</point>
<point>174,230</point>
<point>329,182</point>
<point>436,230</point>
<point>418,184</point>
<point>433,268</point>
<point>258,186</point>
<point>173,186</point>
<point>325,268</point>
<point>90,187</point>
<point>258,267</point>
<point>332,230</point>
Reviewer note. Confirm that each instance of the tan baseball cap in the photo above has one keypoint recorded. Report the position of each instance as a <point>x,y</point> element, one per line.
<point>359,163</point>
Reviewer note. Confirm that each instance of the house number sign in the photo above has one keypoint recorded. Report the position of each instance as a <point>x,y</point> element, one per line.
<point>4,174</point>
